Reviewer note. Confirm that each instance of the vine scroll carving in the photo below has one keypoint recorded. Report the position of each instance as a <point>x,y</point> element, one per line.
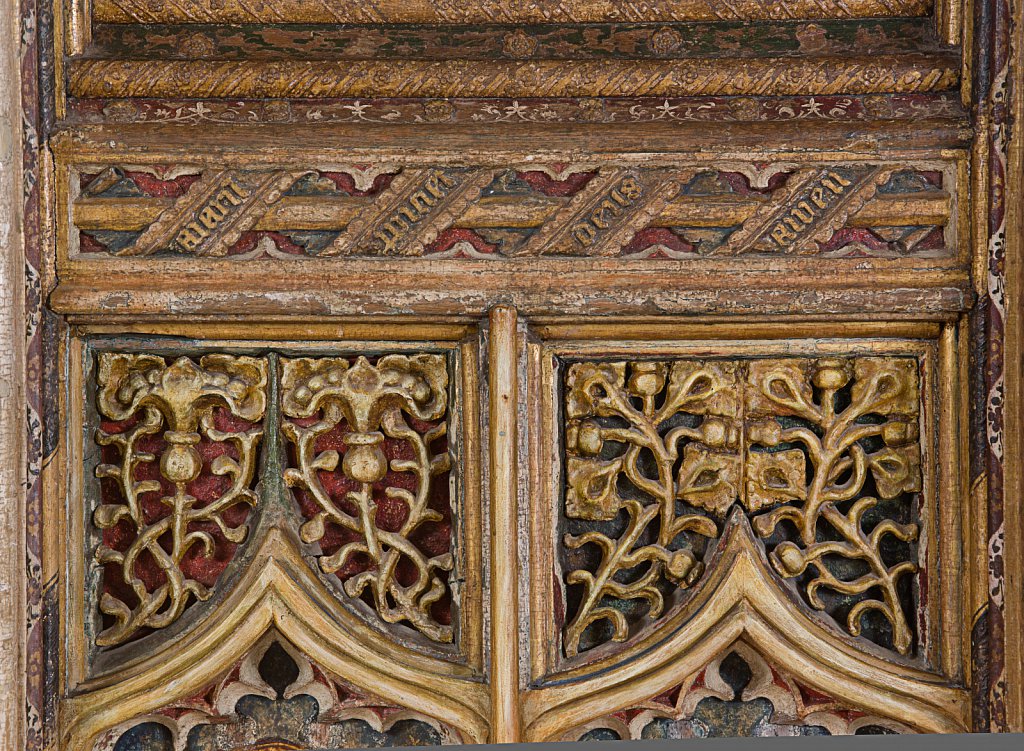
<point>383,522</point>
<point>181,442</point>
<point>823,455</point>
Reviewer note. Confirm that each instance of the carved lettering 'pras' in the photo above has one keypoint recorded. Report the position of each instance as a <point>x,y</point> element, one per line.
<point>223,203</point>
<point>604,215</point>
<point>391,233</point>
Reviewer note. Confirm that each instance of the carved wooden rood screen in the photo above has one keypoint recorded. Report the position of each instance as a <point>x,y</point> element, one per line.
<point>437,372</point>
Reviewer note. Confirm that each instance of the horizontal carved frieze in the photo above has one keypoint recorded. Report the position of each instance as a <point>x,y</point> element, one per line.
<point>900,209</point>
<point>494,11</point>
<point>548,42</point>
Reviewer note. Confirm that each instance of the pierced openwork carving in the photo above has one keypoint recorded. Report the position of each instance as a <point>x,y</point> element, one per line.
<point>370,468</point>
<point>857,422</point>
<point>823,456</point>
<point>739,694</point>
<point>275,699</point>
<point>573,210</point>
<point>180,450</point>
<point>657,535</point>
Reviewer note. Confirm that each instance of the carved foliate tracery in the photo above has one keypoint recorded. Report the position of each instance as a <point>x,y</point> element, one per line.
<point>823,456</point>
<point>858,424</point>
<point>180,442</point>
<point>370,468</point>
<point>672,540</point>
<point>367,455</point>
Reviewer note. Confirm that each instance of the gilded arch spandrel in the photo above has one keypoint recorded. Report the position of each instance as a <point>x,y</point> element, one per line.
<point>739,693</point>
<point>278,593</point>
<point>739,601</point>
<point>277,696</point>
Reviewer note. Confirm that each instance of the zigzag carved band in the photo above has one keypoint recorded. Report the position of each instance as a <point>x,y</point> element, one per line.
<point>543,78</point>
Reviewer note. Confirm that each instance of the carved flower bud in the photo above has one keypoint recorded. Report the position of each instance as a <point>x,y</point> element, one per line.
<point>302,395</point>
<point>364,461</point>
<point>789,559</point>
<point>647,378</point>
<point>198,45</point>
<point>665,41</point>
<point>588,438</point>
<point>121,111</point>
<point>899,433</point>
<point>519,44</point>
<point>181,462</point>
<point>715,432</point>
<point>683,568</point>
<point>766,432</point>
<point>316,383</point>
<point>831,374</point>
<point>438,110</point>
<point>592,110</point>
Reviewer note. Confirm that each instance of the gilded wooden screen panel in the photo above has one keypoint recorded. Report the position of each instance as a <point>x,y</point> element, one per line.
<point>226,491</point>
<point>447,373</point>
<point>777,499</point>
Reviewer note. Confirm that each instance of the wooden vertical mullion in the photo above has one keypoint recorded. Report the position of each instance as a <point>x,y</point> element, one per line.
<point>949,532</point>
<point>502,364</point>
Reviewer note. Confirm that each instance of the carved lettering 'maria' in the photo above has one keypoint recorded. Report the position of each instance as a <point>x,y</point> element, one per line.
<point>604,215</point>
<point>226,201</point>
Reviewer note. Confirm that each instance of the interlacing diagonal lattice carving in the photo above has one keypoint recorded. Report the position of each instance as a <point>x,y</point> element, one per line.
<point>823,454</point>
<point>827,210</point>
<point>396,406</point>
<point>172,409</point>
